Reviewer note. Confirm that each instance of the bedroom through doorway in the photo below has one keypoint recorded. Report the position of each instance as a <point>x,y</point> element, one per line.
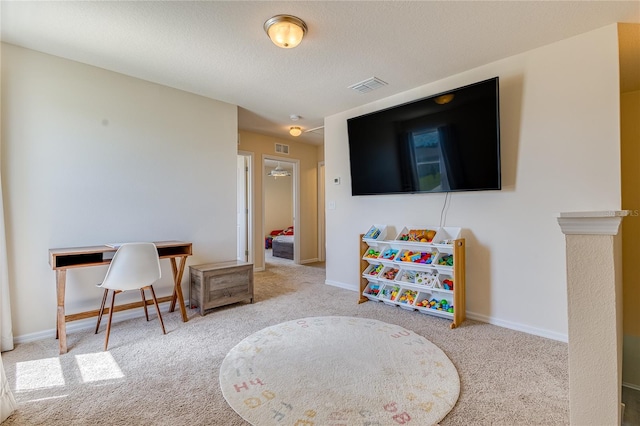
<point>280,188</point>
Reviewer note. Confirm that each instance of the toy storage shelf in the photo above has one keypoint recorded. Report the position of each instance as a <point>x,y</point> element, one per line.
<point>390,272</point>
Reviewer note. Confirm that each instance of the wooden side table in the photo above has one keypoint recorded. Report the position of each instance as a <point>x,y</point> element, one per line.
<point>218,284</point>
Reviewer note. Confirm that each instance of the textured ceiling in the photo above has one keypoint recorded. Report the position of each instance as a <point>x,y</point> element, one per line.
<point>219,49</point>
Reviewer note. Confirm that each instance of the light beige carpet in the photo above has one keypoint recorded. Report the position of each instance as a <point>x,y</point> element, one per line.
<point>146,378</point>
<point>295,373</point>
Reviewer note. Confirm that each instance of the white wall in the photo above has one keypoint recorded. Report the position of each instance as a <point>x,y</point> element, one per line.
<point>89,157</point>
<point>560,152</point>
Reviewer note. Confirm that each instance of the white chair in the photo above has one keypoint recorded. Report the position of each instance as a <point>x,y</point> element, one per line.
<point>135,266</point>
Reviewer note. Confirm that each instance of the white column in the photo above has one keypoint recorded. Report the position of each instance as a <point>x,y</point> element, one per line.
<point>594,295</point>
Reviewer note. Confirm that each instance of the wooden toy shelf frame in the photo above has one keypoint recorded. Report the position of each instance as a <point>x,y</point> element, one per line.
<point>458,278</point>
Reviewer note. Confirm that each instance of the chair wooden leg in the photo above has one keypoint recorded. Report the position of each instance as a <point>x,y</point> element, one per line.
<point>144,304</point>
<point>155,301</point>
<point>104,299</point>
<point>106,341</point>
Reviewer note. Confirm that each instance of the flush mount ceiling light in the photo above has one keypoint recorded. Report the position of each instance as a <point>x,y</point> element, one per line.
<point>278,172</point>
<point>295,131</point>
<point>285,31</point>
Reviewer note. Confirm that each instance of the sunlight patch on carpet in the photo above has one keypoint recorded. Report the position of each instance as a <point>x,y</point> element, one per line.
<point>98,366</point>
<point>39,374</point>
<point>338,370</point>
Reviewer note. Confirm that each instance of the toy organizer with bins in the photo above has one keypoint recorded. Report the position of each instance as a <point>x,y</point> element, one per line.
<point>422,268</point>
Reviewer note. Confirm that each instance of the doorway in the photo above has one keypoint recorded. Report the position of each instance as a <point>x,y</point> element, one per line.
<point>280,206</point>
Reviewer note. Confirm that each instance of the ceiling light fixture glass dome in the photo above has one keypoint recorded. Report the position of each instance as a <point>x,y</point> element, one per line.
<point>285,31</point>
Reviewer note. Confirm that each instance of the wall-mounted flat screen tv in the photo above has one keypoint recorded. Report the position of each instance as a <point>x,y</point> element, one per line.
<point>443,143</point>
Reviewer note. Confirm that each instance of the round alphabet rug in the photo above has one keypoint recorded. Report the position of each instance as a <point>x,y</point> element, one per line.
<point>338,371</point>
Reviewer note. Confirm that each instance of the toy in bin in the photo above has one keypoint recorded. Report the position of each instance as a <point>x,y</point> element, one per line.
<point>408,276</point>
<point>418,257</point>
<point>391,293</point>
<point>372,233</point>
<point>447,284</point>
<point>439,305</point>
<point>446,260</point>
<point>426,278</point>
<point>389,253</point>
<point>374,289</point>
<point>419,235</point>
<point>390,274</point>
<point>376,270</point>
<point>372,254</point>
<point>408,296</point>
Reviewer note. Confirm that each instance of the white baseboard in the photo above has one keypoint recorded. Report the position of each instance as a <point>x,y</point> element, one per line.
<point>482,318</point>
<point>314,260</point>
<point>89,323</point>
<point>519,327</point>
<point>343,285</point>
<point>32,337</point>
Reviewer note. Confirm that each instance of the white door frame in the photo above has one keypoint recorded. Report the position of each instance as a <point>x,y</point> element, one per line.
<point>321,212</point>
<point>296,202</point>
<point>242,249</point>
<point>250,220</point>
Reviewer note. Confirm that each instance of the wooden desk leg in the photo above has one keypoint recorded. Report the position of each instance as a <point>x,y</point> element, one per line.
<point>61,279</point>
<point>178,270</point>
<point>174,296</point>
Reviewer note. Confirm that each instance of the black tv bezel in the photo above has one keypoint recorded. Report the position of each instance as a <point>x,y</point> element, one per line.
<point>498,141</point>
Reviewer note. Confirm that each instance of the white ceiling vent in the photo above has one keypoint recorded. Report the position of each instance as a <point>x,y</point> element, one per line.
<point>368,85</point>
<point>282,148</point>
